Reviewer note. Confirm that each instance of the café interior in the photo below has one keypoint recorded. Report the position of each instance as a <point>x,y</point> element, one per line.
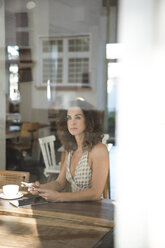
<point>50,60</point>
<point>55,51</point>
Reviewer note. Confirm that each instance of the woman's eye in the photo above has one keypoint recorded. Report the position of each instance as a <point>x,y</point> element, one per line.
<point>68,118</point>
<point>78,117</point>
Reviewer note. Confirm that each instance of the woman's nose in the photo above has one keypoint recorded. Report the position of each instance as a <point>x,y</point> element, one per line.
<point>72,121</point>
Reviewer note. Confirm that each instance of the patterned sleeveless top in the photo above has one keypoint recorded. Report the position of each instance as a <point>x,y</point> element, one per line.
<point>83,173</point>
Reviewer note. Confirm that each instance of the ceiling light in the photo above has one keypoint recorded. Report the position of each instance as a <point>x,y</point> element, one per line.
<point>30,5</point>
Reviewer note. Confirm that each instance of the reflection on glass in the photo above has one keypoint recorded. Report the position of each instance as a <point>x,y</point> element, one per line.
<point>13,79</point>
<point>48,91</point>
<point>13,52</point>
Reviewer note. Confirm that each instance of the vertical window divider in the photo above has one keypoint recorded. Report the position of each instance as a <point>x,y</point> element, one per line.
<point>65,61</point>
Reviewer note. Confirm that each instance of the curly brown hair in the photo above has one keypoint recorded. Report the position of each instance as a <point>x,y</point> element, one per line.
<point>93,133</point>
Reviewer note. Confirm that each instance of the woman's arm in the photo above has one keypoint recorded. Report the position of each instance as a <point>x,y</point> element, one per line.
<point>99,160</point>
<point>57,185</point>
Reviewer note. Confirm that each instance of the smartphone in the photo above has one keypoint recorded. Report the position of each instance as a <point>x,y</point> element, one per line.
<point>29,201</point>
<point>29,185</point>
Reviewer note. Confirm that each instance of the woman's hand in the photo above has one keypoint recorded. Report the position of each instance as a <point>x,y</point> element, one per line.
<point>32,187</point>
<point>49,195</point>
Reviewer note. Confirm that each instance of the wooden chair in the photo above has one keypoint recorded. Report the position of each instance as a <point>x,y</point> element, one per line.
<point>28,134</point>
<point>13,177</point>
<point>106,192</point>
<point>105,138</point>
<point>49,157</point>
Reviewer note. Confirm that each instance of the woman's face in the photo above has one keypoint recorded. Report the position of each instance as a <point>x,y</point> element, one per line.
<point>75,121</point>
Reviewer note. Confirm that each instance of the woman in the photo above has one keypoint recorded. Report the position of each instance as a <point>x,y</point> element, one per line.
<point>86,161</point>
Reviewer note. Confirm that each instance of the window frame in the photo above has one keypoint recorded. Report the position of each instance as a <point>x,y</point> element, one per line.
<point>65,55</point>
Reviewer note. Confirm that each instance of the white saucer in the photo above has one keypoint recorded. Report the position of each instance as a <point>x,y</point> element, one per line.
<point>11,198</point>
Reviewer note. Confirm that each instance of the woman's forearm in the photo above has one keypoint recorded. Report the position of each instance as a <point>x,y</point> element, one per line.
<point>84,195</point>
<point>55,185</point>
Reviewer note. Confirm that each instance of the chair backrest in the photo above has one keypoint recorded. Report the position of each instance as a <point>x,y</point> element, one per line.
<point>13,177</point>
<point>48,151</point>
<point>105,138</point>
<point>27,127</point>
<point>106,192</point>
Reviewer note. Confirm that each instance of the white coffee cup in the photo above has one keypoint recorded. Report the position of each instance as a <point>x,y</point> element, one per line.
<point>10,190</point>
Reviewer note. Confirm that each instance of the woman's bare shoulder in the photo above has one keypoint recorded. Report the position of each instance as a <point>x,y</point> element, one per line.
<point>99,149</point>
